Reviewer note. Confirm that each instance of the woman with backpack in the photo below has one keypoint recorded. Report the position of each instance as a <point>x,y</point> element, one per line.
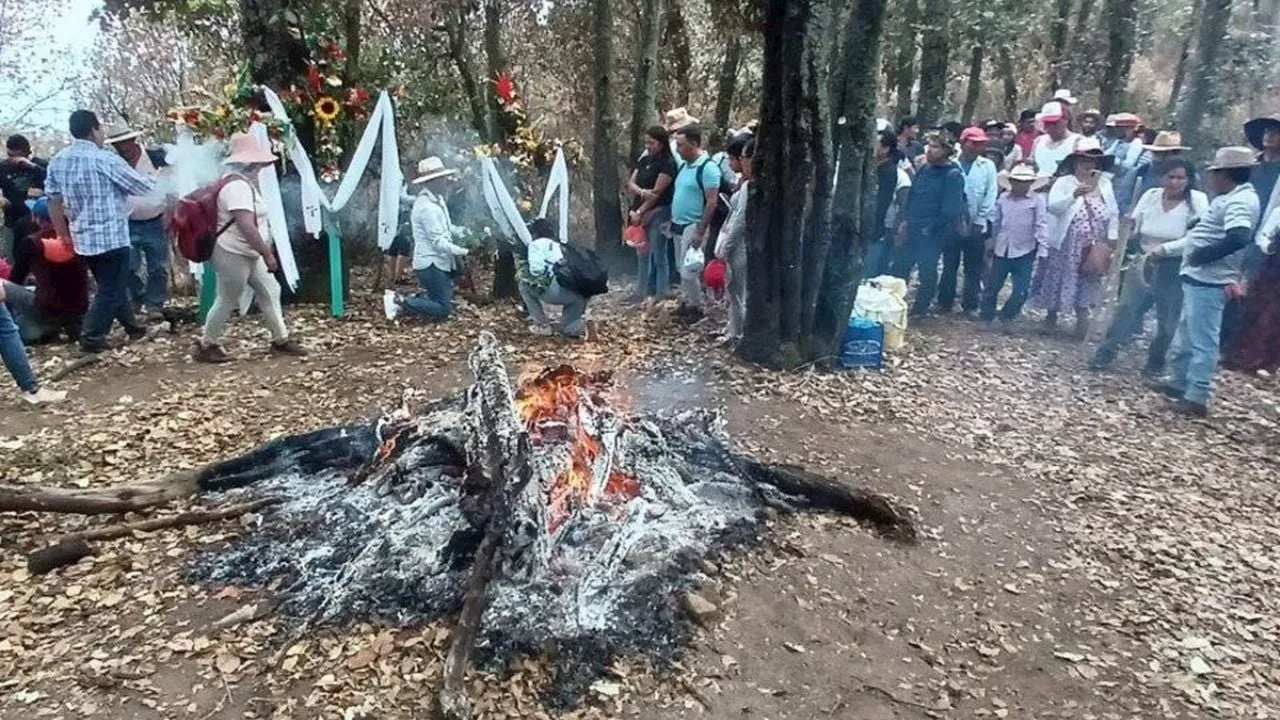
<point>539,284</point>
<point>242,254</point>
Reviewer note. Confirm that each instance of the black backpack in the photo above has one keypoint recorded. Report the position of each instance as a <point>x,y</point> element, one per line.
<point>721,213</point>
<point>581,271</point>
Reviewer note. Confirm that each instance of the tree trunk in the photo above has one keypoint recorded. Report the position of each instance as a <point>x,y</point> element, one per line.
<point>788,212</point>
<point>1180,74</point>
<point>1204,74</point>
<point>1058,43</point>
<point>1262,24</point>
<point>853,206</point>
<point>1074,74</point>
<point>1010,81</point>
<point>934,58</point>
<point>606,193</point>
<point>455,25</point>
<point>1121,18</point>
<point>905,62</point>
<point>728,82</point>
<point>495,58</point>
<point>676,46</point>
<point>974,88</point>
<point>644,98</point>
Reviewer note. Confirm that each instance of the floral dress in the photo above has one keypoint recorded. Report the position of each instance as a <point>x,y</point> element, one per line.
<point>1059,284</point>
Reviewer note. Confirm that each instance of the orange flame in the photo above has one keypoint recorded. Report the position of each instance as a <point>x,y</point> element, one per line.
<point>552,401</point>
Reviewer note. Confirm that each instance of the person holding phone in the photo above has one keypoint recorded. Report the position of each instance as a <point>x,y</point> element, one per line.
<point>1083,213</point>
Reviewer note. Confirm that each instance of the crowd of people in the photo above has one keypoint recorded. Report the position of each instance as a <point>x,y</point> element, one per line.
<point>1044,204</point>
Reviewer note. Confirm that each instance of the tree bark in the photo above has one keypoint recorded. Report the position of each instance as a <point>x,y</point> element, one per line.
<point>1262,24</point>
<point>789,205</point>
<point>905,62</point>
<point>728,82</point>
<point>973,90</point>
<point>1121,18</point>
<point>676,46</point>
<point>606,190</point>
<point>1058,43</point>
<point>1180,74</point>
<point>644,97</point>
<point>1204,75</point>
<point>1010,81</point>
<point>1074,74</point>
<point>352,36</point>
<point>478,99</point>
<point>934,58</point>
<point>494,56</point>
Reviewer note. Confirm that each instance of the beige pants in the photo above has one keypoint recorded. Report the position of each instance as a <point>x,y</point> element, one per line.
<point>235,272</point>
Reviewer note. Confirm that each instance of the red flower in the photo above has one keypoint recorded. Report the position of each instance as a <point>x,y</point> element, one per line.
<point>219,133</point>
<point>255,116</point>
<point>314,81</point>
<point>357,97</point>
<point>505,87</point>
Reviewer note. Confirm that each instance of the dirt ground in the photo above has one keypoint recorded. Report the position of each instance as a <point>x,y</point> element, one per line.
<point>1084,553</point>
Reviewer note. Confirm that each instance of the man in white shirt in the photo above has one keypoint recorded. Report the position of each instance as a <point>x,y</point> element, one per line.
<point>435,255</point>
<point>146,223</point>
<point>980,190</point>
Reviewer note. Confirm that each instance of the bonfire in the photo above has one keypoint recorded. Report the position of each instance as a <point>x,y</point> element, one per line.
<point>546,516</point>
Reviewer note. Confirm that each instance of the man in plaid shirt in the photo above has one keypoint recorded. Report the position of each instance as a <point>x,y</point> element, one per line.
<point>87,188</point>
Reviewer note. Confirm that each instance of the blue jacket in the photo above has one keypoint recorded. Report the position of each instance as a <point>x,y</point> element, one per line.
<point>936,198</point>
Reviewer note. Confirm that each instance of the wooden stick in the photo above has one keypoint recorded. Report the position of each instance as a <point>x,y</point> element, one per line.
<point>499,457</point>
<point>105,501</point>
<point>80,362</point>
<point>72,548</point>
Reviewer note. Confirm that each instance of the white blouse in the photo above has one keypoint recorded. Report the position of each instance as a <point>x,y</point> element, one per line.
<point>1155,225</point>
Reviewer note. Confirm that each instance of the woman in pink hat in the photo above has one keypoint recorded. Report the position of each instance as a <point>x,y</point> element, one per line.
<point>243,256</point>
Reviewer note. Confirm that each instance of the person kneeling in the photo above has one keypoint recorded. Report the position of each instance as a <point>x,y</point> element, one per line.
<point>538,285</point>
<point>435,255</point>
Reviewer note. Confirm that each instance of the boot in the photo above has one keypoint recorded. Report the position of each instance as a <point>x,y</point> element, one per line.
<point>1050,326</point>
<point>1082,325</point>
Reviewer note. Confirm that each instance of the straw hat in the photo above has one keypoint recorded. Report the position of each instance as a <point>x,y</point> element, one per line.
<point>1167,141</point>
<point>1257,127</point>
<point>1088,147</point>
<point>430,169</point>
<point>1229,158</point>
<point>1064,96</point>
<point>245,150</point>
<point>120,133</point>
<point>677,119</point>
<point>1022,172</point>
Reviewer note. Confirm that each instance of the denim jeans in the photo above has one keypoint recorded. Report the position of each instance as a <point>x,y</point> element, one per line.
<point>436,300</point>
<point>878,258</point>
<point>21,302</point>
<point>921,252</point>
<point>14,354</point>
<point>1195,347</point>
<point>573,306</point>
<point>970,251</point>
<point>111,272</point>
<point>150,243</point>
<point>1165,295</point>
<point>1002,268</point>
<point>653,268</point>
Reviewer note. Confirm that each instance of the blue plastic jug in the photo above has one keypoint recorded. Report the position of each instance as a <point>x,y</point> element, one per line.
<point>863,344</point>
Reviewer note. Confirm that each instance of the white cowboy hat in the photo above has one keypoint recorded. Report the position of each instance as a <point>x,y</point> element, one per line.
<point>430,169</point>
<point>1228,158</point>
<point>1064,95</point>
<point>1051,112</point>
<point>120,133</point>
<point>245,150</point>
<point>1022,172</point>
<point>678,118</point>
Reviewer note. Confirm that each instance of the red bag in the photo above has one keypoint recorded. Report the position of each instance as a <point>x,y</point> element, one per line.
<point>635,237</point>
<point>194,221</point>
<point>713,275</point>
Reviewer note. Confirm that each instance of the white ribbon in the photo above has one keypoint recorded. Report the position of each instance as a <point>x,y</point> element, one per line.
<point>558,180</point>
<point>501,205</point>
<point>269,186</point>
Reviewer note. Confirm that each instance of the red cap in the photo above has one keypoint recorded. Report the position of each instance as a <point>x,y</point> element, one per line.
<point>973,134</point>
<point>1127,120</point>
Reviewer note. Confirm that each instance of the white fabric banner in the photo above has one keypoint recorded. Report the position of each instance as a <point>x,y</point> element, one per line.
<point>558,180</point>
<point>269,186</point>
<point>501,205</point>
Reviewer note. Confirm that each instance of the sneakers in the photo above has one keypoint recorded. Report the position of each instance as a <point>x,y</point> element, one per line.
<point>137,333</point>
<point>1166,389</point>
<point>540,330</point>
<point>288,347</point>
<point>213,354</point>
<point>100,346</point>
<point>391,304</point>
<point>44,396</point>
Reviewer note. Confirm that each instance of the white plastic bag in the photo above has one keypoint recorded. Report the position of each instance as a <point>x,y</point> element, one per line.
<point>883,299</point>
<point>693,262</point>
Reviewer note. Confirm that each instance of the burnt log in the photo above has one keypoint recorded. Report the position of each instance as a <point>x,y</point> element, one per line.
<point>824,493</point>
<point>104,501</point>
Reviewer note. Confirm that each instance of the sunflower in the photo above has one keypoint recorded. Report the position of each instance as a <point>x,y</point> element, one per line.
<point>327,109</point>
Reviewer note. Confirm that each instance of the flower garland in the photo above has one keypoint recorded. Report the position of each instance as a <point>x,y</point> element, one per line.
<point>334,109</point>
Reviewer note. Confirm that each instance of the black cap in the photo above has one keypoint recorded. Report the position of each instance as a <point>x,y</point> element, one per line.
<point>1026,115</point>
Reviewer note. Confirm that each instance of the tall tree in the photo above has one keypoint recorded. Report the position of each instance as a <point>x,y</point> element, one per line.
<point>727,84</point>
<point>1180,72</point>
<point>606,191</point>
<point>904,63</point>
<point>474,89</point>
<point>934,58</point>
<point>1075,74</point>
<point>675,41</point>
<point>644,96</point>
<point>1121,18</point>
<point>1058,43</point>
<point>974,87</point>
<point>1009,79</point>
<point>1204,74</point>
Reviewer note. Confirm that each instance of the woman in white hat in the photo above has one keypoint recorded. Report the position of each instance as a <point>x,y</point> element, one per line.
<point>435,255</point>
<point>243,255</point>
<point>1084,214</point>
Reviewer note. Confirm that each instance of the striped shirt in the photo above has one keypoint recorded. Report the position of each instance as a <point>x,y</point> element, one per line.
<point>94,185</point>
<point>1236,209</point>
